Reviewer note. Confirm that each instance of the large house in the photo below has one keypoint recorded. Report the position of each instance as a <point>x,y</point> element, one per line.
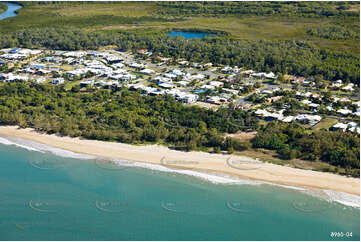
<point>57,81</point>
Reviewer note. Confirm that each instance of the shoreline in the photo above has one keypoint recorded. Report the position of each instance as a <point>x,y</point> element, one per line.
<point>230,165</point>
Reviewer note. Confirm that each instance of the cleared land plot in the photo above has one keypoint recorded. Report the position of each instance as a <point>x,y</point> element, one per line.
<point>325,124</point>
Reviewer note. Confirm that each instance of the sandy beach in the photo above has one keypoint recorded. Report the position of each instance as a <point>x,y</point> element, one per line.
<point>240,166</point>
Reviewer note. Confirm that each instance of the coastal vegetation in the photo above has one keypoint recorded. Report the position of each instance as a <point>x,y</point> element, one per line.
<point>334,32</point>
<point>304,9</point>
<point>129,117</point>
<point>291,141</point>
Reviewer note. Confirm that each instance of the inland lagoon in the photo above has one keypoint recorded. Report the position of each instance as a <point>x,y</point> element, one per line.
<point>11,10</point>
<point>190,35</point>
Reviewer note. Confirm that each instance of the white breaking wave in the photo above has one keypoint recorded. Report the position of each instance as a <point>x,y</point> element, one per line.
<point>285,186</point>
<point>340,197</point>
<point>214,178</point>
<point>343,198</point>
<point>35,146</point>
<point>211,177</point>
<point>8,142</point>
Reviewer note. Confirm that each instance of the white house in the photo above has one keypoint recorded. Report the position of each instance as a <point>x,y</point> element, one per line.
<point>136,65</point>
<point>337,83</point>
<point>183,83</point>
<point>288,119</point>
<point>348,87</point>
<point>166,85</point>
<point>312,119</point>
<point>216,83</point>
<point>314,105</point>
<point>87,83</point>
<point>76,54</point>
<point>170,75</point>
<point>207,87</point>
<point>189,98</point>
<point>306,102</point>
<point>196,77</point>
<point>177,72</point>
<point>57,81</point>
<point>147,72</point>
<point>344,112</point>
<point>40,80</point>
<point>226,69</point>
<point>341,126</point>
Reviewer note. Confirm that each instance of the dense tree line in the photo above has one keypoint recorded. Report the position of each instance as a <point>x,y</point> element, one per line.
<point>119,116</point>
<point>334,32</point>
<point>240,8</point>
<point>292,141</point>
<point>129,117</point>
<point>292,57</point>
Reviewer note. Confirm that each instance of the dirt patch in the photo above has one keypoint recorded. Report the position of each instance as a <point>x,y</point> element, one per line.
<point>242,135</point>
<point>117,27</point>
<point>204,105</point>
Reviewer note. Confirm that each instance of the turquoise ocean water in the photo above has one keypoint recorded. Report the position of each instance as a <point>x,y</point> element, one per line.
<point>48,197</point>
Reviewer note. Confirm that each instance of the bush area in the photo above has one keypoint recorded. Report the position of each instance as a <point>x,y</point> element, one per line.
<point>83,15</point>
<point>118,116</point>
<point>288,57</point>
<point>334,32</point>
<point>3,8</point>
<point>129,117</point>
<point>286,8</point>
<point>291,141</point>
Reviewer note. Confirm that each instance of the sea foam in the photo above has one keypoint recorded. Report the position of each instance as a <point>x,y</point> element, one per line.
<point>35,146</point>
<point>347,199</point>
<point>339,197</point>
<point>210,177</point>
<point>216,178</point>
<point>8,142</point>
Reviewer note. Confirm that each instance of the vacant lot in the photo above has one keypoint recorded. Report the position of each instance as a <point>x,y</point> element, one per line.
<point>325,124</point>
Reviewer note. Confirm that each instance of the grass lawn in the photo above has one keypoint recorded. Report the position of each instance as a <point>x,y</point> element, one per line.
<point>67,67</point>
<point>69,85</point>
<point>325,124</point>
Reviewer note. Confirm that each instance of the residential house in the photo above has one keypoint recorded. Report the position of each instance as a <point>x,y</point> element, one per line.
<point>87,83</point>
<point>344,112</point>
<point>57,81</point>
<point>147,72</point>
<point>348,87</point>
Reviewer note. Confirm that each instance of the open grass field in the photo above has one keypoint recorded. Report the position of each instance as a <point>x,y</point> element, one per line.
<point>143,17</point>
<point>325,124</point>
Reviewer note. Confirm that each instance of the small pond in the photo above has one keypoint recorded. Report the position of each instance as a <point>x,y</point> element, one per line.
<point>189,35</point>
